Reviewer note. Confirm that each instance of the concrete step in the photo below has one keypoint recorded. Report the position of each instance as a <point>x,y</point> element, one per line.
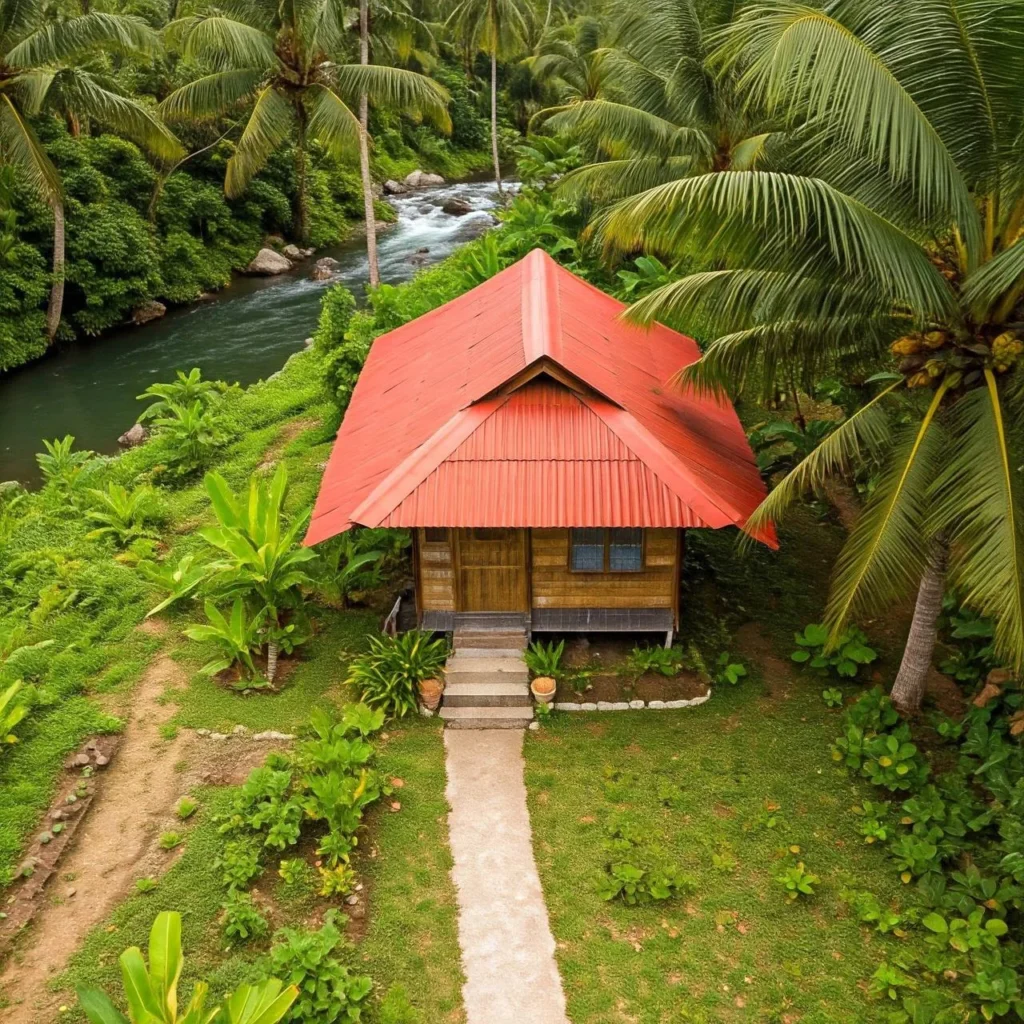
<point>487,718</point>
<point>489,638</point>
<point>461,665</point>
<point>490,652</point>
<point>487,695</point>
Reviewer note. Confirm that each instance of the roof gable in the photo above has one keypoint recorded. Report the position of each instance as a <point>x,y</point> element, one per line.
<point>433,389</point>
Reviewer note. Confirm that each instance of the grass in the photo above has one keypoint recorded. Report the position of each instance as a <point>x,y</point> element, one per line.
<point>404,864</point>
<point>734,950</point>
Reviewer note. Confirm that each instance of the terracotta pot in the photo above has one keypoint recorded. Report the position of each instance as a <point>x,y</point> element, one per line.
<point>430,693</point>
<point>543,689</point>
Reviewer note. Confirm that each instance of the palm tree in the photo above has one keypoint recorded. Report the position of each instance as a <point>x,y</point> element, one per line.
<point>283,57</point>
<point>493,26</point>
<point>570,67</point>
<point>40,70</point>
<point>899,227</point>
<point>650,107</point>
<point>369,214</point>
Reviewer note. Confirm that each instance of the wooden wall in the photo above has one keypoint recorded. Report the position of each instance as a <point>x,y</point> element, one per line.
<point>436,574</point>
<point>553,584</point>
<point>556,586</point>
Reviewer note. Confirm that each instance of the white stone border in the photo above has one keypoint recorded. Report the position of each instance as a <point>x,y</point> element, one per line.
<point>632,705</point>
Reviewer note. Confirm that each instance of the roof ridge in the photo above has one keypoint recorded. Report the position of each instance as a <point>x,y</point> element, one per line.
<point>541,308</point>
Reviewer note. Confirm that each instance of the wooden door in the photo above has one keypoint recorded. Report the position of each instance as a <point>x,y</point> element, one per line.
<point>492,570</point>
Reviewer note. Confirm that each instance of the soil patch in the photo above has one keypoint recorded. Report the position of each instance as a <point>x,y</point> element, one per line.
<point>754,645</point>
<point>652,686</point>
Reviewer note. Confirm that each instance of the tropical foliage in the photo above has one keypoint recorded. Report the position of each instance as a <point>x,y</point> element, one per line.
<point>894,228</point>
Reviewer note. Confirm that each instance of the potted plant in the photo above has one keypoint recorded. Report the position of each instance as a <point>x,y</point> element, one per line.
<point>399,670</point>
<point>545,664</point>
<point>430,693</point>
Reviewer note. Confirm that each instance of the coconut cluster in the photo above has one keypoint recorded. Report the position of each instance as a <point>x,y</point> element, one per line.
<point>928,357</point>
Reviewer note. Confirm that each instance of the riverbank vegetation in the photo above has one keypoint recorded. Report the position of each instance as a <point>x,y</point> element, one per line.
<point>829,200</point>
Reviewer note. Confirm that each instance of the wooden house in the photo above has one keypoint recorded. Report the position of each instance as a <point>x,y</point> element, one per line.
<point>531,441</point>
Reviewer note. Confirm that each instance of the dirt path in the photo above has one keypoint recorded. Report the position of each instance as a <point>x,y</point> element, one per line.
<point>116,844</point>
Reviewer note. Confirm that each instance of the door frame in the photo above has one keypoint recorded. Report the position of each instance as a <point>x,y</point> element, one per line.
<point>457,534</point>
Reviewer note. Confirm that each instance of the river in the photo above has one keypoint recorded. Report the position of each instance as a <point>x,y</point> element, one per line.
<point>244,333</point>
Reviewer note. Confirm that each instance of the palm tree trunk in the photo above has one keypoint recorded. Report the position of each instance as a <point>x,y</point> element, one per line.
<point>57,288</point>
<point>272,651</point>
<point>301,198</point>
<point>364,149</point>
<point>494,118</point>
<point>908,689</point>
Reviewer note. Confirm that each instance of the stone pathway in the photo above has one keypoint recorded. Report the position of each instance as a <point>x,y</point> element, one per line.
<point>508,953</point>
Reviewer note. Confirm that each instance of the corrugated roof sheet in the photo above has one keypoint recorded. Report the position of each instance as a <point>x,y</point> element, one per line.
<point>432,439</point>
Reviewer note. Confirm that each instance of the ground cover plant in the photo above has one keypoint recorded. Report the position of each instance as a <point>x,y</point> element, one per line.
<point>744,780</point>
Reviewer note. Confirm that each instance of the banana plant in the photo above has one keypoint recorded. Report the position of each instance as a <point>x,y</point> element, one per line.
<point>264,562</point>
<point>152,991</point>
<point>236,637</point>
<point>180,580</point>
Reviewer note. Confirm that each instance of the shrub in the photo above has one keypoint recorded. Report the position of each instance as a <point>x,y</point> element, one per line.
<point>342,356</point>
<point>60,465</point>
<point>667,661</point>
<point>843,658</point>
<point>727,671</point>
<point>237,639</point>
<point>638,871</point>
<point>241,917</point>
<point>123,515</point>
<point>327,991</point>
<point>388,675</point>
<point>545,659</point>
<point>797,881</point>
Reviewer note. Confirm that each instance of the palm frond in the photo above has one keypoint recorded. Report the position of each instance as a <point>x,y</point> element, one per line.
<point>267,129</point>
<point>766,219</point>
<point>613,179</point>
<point>803,62</point>
<point>607,124</point>
<point>980,504</point>
<point>396,88</point>
<point>79,91</point>
<point>332,123</point>
<point>58,41</point>
<point>17,19</point>
<point>863,437</point>
<point>212,94</point>
<point>993,282</point>
<point>222,43</point>
<point>885,553</point>
<point>20,148</point>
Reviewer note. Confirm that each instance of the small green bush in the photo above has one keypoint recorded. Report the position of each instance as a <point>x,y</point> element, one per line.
<point>241,917</point>
<point>387,677</point>
<point>329,993</point>
<point>637,870</point>
<point>797,881</point>
<point>844,658</point>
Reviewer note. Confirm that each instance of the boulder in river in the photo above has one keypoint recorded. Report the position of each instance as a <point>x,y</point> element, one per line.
<point>268,263</point>
<point>324,269</point>
<point>9,489</point>
<point>147,311</point>
<point>421,179</point>
<point>394,188</point>
<point>457,207</point>
<point>133,436</point>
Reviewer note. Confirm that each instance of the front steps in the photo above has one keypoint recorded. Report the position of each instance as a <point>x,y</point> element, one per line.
<point>487,685</point>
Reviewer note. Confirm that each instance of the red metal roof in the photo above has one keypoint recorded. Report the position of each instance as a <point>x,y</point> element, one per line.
<point>432,437</point>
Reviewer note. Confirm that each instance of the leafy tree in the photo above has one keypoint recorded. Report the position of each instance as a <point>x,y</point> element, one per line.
<point>151,992</point>
<point>495,27</point>
<point>651,107</point>
<point>900,227</point>
<point>41,69</point>
<point>284,57</point>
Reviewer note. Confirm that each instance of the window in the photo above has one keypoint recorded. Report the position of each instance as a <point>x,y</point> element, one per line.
<point>588,551</point>
<point>625,550</point>
<point>435,535</point>
<point>601,550</point>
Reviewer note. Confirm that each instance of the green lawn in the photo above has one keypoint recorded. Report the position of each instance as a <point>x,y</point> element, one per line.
<point>734,950</point>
